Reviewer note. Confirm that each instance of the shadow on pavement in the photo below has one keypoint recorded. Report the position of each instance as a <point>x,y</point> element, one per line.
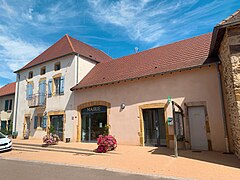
<point>207,156</point>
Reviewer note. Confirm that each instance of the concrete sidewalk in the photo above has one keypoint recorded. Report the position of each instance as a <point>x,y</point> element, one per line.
<point>147,160</point>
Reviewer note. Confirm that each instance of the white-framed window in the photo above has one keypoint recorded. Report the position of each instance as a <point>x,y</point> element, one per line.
<point>59,85</point>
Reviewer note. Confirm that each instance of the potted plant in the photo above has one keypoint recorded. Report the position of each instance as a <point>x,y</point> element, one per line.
<point>14,134</point>
<point>106,142</point>
<point>51,138</point>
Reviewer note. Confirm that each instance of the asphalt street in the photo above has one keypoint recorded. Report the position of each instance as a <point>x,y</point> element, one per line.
<point>25,170</point>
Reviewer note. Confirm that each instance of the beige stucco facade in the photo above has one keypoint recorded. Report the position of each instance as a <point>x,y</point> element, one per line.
<point>197,86</point>
<point>73,68</point>
<point>6,115</point>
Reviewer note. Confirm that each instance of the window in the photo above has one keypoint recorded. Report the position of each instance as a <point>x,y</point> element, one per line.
<point>42,92</point>
<point>59,85</point>
<point>30,75</point>
<point>8,105</point>
<point>29,91</point>
<point>43,70</point>
<point>57,66</point>
<point>40,122</point>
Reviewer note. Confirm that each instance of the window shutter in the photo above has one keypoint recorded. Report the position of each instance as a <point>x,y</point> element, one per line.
<point>29,91</point>
<point>10,104</point>
<point>50,88</point>
<point>62,85</point>
<point>42,92</point>
<point>44,122</point>
<point>6,105</point>
<point>35,122</point>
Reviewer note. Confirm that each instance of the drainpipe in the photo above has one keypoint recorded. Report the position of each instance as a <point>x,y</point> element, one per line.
<point>78,130</point>
<point>223,109</point>
<point>77,68</point>
<point>16,101</point>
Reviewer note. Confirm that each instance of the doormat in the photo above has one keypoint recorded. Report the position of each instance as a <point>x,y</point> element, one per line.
<point>197,151</point>
<point>228,153</point>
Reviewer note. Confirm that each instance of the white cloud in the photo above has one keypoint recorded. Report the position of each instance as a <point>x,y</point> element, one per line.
<point>15,53</point>
<point>158,22</point>
<point>141,20</point>
<point>16,48</point>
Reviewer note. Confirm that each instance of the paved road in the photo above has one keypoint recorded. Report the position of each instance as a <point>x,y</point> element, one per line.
<point>22,170</point>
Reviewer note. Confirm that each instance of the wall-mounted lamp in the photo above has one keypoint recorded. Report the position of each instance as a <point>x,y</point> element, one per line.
<point>123,106</point>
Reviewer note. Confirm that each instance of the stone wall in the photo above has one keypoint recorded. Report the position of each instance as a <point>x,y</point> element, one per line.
<point>229,54</point>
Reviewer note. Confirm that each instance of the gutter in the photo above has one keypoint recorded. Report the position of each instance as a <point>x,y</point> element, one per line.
<point>16,101</point>
<point>215,36</point>
<point>77,67</point>
<point>72,53</point>
<point>7,94</point>
<point>223,109</point>
<point>160,73</point>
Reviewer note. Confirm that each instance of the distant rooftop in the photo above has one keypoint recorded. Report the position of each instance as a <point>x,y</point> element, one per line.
<point>8,89</point>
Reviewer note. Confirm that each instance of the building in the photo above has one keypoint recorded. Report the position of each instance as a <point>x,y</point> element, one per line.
<point>43,87</point>
<point>7,94</point>
<point>133,94</point>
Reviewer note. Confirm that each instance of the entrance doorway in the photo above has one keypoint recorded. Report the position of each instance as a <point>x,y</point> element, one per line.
<point>154,127</point>
<point>94,120</point>
<point>197,126</point>
<point>26,128</point>
<point>56,124</point>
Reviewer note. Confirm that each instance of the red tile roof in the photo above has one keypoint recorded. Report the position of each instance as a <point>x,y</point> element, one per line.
<point>183,54</point>
<point>8,89</point>
<point>67,45</point>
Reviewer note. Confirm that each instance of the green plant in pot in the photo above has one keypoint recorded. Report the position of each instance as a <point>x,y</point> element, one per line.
<point>14,134</point>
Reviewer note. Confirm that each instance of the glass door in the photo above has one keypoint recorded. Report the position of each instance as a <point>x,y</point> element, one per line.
<point>57,125</point>
<point>98,122</point>
<point>154,127</point>
<point>94,120</point>
<point>86,133</point>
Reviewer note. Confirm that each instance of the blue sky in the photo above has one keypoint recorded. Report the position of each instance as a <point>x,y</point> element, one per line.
<point>28,27</point>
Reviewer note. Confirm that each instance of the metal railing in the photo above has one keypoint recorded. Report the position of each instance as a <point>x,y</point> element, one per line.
<point>37,100</point>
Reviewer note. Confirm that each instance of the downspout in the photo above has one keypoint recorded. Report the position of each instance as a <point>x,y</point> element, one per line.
<point>16,101</point>
<point>77,68</point>
<point>78,124</point>
<point>223,109</point>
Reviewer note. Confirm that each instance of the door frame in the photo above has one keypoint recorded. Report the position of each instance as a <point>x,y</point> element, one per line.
<point>56,113</point>
<point>141,120</point>
<point>187,125</point>
<point>86,105</point>
<point>25,124</point>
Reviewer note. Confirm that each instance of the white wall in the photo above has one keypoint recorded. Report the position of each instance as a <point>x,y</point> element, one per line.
<point>55,103</point>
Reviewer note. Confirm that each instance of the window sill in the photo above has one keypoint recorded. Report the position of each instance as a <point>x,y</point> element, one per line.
<point>40,129</point>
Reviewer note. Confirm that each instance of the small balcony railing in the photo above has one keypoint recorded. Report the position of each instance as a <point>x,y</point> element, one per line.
<point>37,100</point>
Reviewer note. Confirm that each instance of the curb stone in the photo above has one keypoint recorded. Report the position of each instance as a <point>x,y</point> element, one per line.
<point>98,168</point>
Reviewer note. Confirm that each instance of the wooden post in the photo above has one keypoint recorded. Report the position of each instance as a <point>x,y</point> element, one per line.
<point>174,126</point>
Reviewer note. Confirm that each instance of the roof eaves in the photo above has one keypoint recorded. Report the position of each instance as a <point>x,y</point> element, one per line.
<point>159,73</point>
<point>7,94</point>
<point>218,33</point>
<point>45,62</point>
